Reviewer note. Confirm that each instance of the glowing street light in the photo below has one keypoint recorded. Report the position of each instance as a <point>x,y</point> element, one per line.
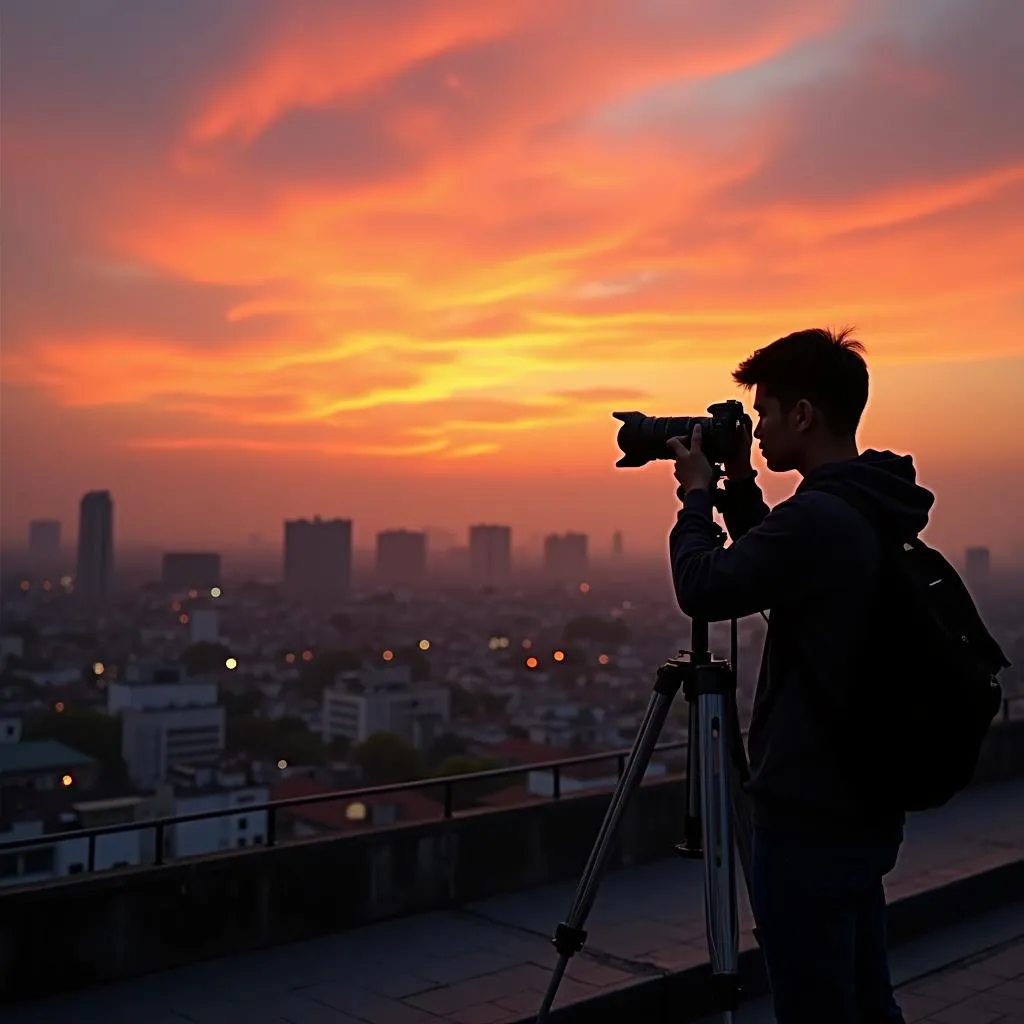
<point>424,645</point>
<point>99,668</point>
<point>559,655</point>
<point>215,592</point>
<point>532,662</point>
<point>66,780</point>
<point>282,764</point>
<point>602,659</point>
<point>388,655</point>
<point>584,588</point>
<point>231,663</point>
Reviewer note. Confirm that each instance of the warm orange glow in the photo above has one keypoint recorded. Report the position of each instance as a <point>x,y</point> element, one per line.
<point>584,588</point>
<point>231,664</point>
<point>388,655</point>
<point>307,655</point>
<point>559,655</point>
<point>98,668</point>
<point>66,780</point>
<point>602,659</point>
<point>183,619</point>
<point>289,658</point>
<point>482,227</point>
<point>532,662</point>
<point>59,706</point>
<point>424,645</point>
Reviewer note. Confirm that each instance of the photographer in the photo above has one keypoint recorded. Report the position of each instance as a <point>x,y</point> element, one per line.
<point>820,852</point>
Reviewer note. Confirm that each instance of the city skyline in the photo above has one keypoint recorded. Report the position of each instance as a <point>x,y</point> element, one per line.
<point>291,278</point>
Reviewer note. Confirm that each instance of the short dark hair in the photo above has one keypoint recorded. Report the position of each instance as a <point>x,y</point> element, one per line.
<point>824,367</point>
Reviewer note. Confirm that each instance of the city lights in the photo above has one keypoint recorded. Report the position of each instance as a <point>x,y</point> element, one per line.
<point>59,706</point>
<point>65,581</point>
<point>602,659</point>
<point>356,812</point>
<point>282,764</point>
<point>531,662</point>
<point>99,668</point>
<point>388,655</point>
<point>231,663</point>
<point>183,619</point>
<point>424,645</point>
<point>193,594</point>
<point>289,658</point>
<point>527,644</point>
<point>584,588</point>
<point>559,655</point>
<point>307,655</point>
<point>215,592</point>
<point>25,585</point>
<point>66,780</point>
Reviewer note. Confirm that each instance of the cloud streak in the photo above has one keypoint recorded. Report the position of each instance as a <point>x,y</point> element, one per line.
<point>247,227</point>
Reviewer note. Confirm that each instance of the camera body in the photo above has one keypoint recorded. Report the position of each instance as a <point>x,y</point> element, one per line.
<point>643,439</point>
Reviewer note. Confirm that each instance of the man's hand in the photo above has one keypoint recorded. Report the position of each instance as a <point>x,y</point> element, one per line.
<point>739,467</point>
<point>693,471</point>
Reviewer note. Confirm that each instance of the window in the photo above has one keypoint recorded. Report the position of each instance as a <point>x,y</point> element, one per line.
<point>10,730</point>
<point>243,824</point>
<point>38,862</point>
<point>75,869</point>
<point>257,840</point>
<point>241,842</point>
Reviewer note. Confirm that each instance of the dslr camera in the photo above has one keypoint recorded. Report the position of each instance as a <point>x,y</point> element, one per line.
<point>642,439</point>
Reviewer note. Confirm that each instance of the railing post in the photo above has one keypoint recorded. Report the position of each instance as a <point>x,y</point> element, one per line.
<point>159,859</point>
<point>556,773</point>
<point>92,854</point>
<point>271,826</point>
<point>448,800</point>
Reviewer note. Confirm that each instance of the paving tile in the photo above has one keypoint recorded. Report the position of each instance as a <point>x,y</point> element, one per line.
<point>486,1013</point>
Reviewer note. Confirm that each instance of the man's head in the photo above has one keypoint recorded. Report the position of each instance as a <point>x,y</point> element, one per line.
<point>811,388</point>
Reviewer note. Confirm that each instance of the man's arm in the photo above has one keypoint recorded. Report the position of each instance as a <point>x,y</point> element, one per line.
<point>742,504</point>
<point>766,564</point>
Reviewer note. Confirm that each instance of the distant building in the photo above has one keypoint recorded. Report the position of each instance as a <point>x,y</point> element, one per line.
<point>490,553</point>
<point>57,857</point>
<point>618,544</point>
<point>977,566</point>
<point>167,719</point>
<point>192,789</point>
<point>364,701</point>
<point>43,766</point>
<point>401,556</point>
<point>44,538</point>
<point>204,626</point>
<point>94,576</point>
<point>182,571</point>
<point>318,557</point>
<point>566,557</point>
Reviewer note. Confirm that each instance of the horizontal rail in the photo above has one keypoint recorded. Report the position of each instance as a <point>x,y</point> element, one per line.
<point>446,782</point>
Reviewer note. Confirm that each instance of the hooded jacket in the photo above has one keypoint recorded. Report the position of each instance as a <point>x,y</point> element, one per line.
<point>814,562</point>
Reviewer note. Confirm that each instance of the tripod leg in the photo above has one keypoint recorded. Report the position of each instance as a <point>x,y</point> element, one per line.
<point>719,852</point>
<point>742,810</point>
<point>570,935</point>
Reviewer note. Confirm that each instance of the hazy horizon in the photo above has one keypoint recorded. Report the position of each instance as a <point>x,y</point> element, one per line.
<point>399,263</point>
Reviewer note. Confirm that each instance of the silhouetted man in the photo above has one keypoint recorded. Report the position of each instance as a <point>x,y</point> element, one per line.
<point>820,848</point>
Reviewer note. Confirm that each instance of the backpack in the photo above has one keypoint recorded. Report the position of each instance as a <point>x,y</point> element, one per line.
<point>928,692</point>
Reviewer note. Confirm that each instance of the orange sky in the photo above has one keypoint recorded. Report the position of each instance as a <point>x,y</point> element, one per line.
<point>400,261</point>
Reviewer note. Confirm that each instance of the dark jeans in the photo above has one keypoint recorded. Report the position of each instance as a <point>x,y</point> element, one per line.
<point>821,919</point>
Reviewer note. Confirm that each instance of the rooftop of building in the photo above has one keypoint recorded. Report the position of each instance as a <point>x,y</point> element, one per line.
<point>39,756</point>
<point>957,924</point>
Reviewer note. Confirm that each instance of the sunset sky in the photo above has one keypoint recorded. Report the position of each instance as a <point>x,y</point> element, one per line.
<point>399,260</point>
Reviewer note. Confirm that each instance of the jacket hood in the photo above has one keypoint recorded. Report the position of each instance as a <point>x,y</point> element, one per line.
<point>882,486</point>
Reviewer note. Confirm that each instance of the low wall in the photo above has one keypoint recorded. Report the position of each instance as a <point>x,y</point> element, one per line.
<point>120,924</point>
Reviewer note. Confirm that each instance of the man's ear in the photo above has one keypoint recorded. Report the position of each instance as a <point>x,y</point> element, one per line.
<point>803,415</point>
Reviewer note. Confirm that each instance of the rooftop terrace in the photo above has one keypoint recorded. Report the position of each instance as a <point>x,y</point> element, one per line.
<point>490,887</point>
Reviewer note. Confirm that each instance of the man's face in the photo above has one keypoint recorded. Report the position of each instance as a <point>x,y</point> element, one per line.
<point>779,440</point>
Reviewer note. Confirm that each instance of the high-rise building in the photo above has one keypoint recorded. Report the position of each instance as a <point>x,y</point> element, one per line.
<point>94,575</point>
<point>318,557</point>
<point>190,570</point>
<point>490,553</point>
<point>566,557</point>
<point>44,538</point>
<point>401,556</point>
<point>977,566</point>
<point>618,544</point>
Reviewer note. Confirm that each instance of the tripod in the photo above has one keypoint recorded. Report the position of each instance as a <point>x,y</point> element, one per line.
<point>717,813</point>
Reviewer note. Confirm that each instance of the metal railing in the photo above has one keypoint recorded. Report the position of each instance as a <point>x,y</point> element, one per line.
<point>1012,710</point>
<point>446,783</point>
